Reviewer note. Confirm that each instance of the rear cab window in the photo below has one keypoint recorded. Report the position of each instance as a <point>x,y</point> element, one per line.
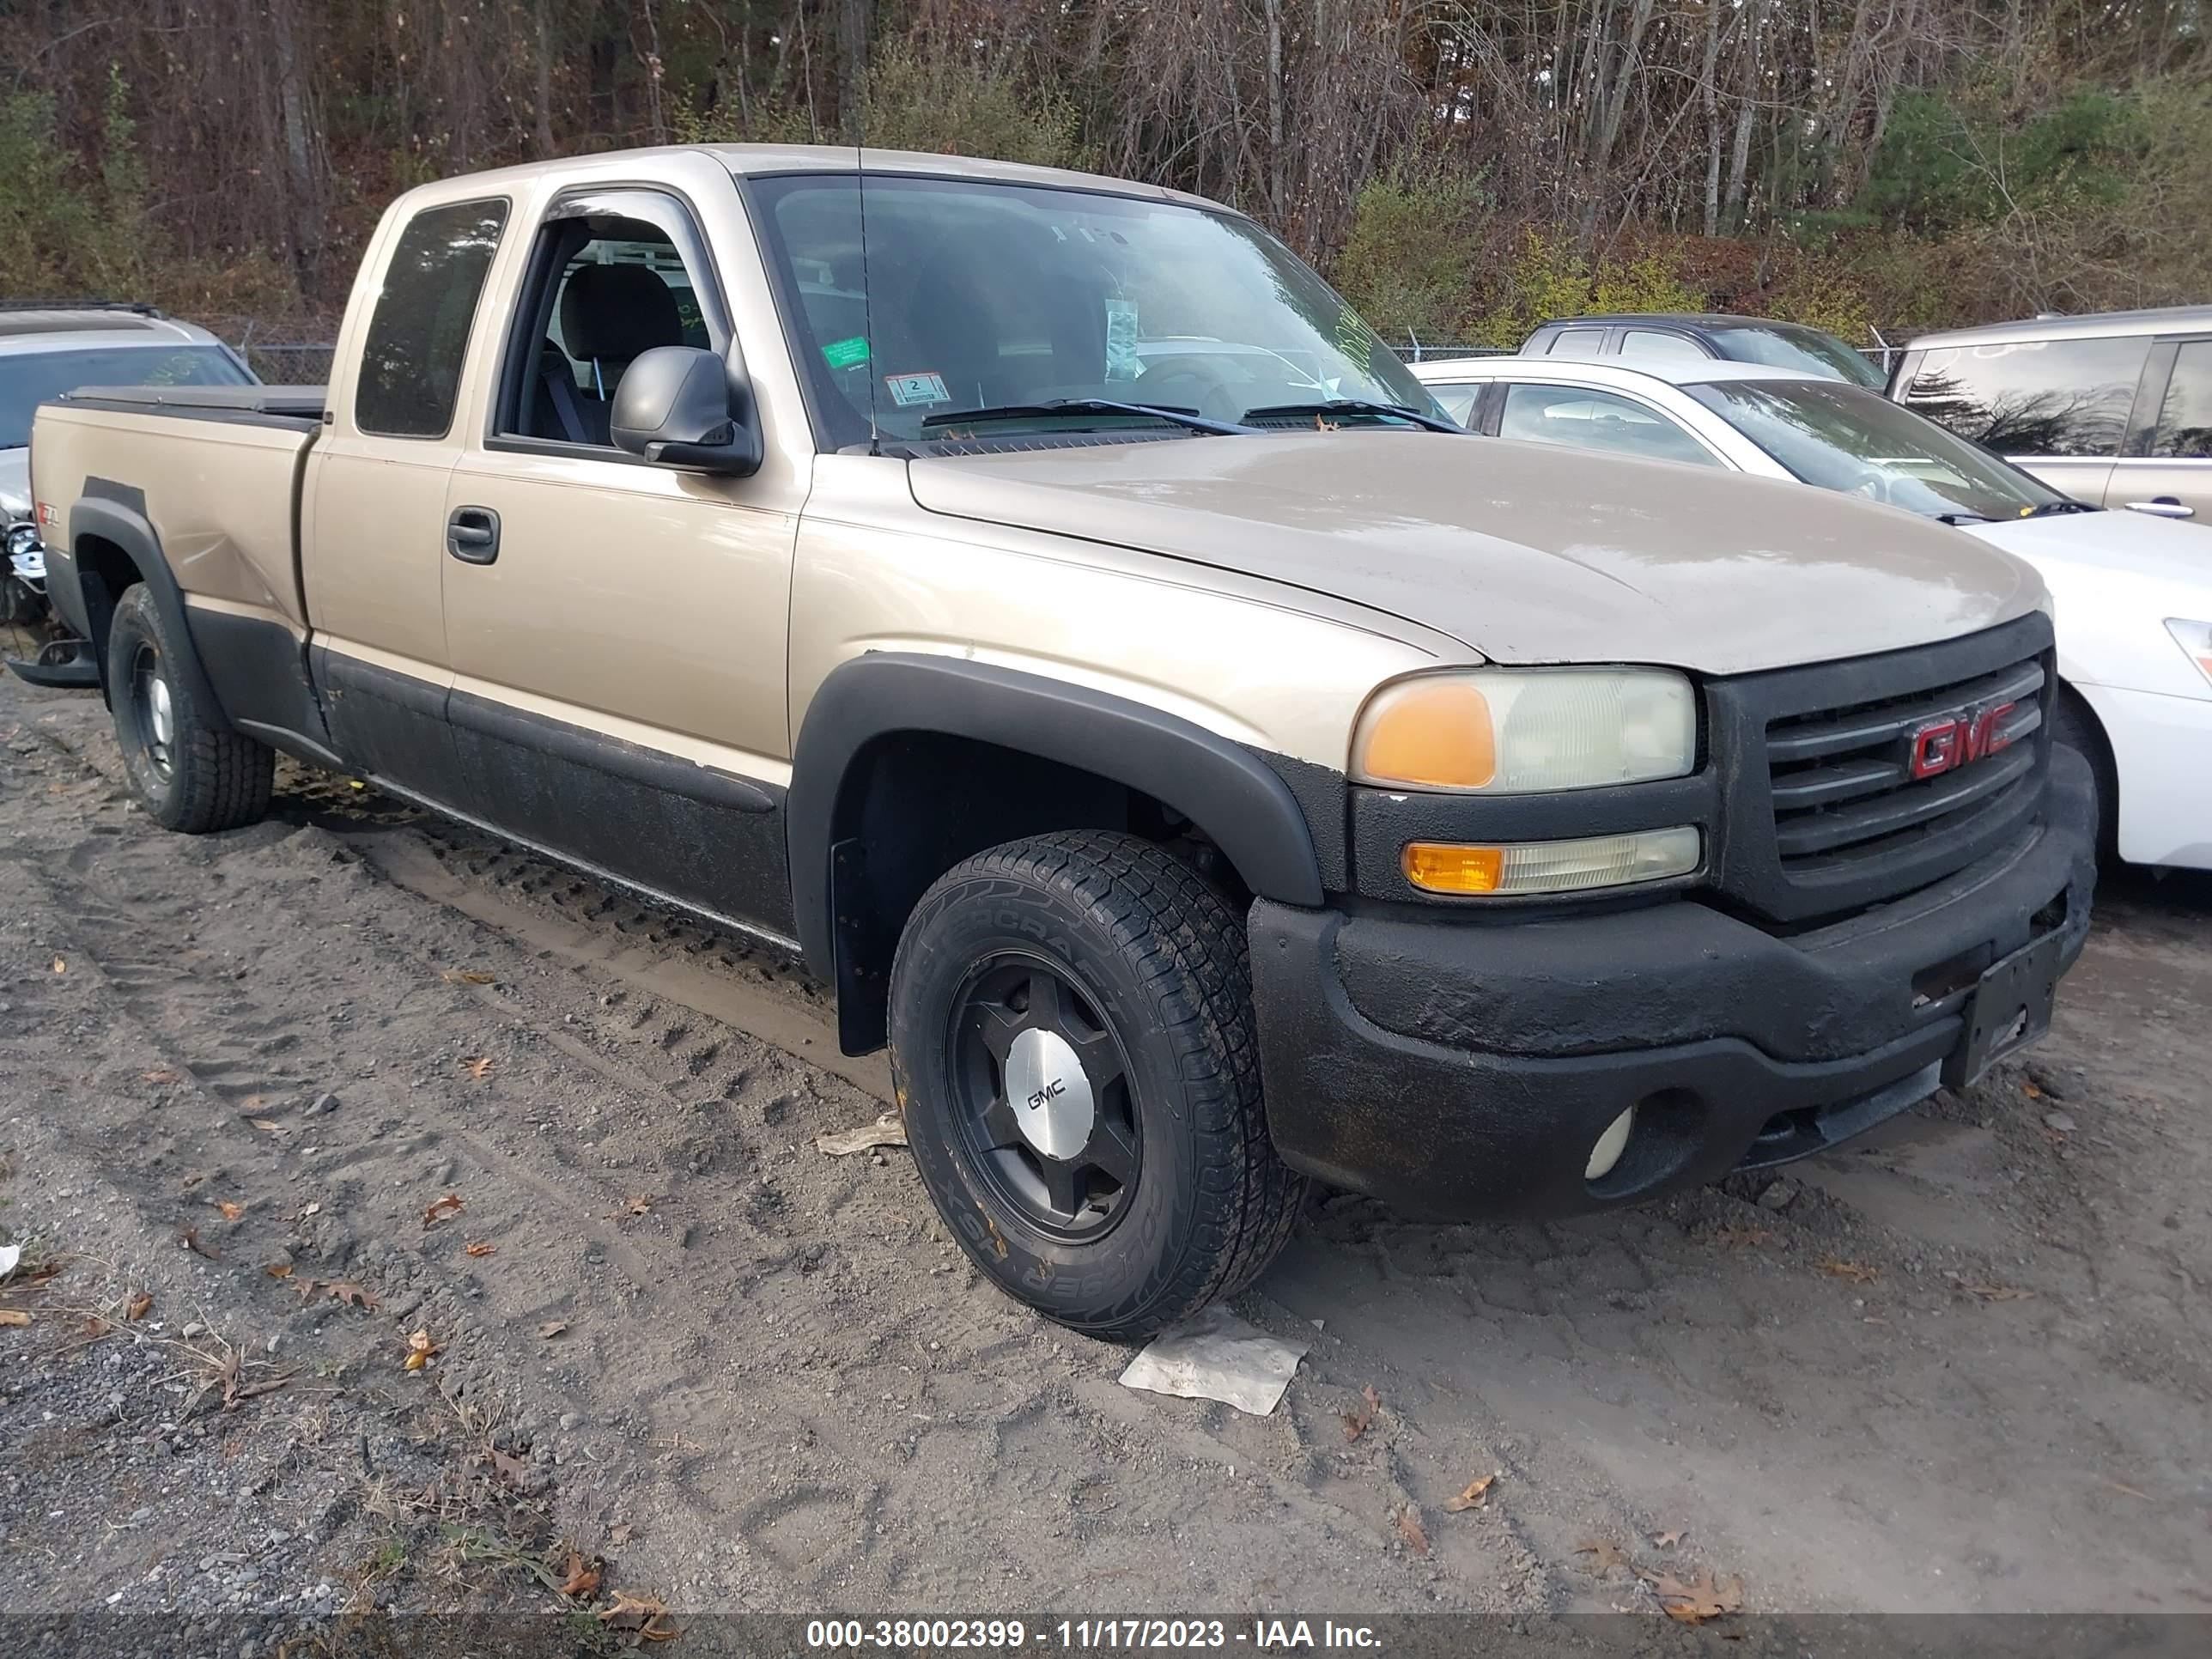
<point>1652,343</point>
<point>2030,398</point>
<point>1584,418</point>
<point>1579,343</point>
<point>418,334</point>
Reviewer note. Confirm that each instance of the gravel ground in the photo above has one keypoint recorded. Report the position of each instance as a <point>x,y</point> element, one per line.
<point>680,1359</point>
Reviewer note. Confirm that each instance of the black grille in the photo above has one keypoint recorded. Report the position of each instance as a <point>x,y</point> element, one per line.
<point>1842,782</point>
<point>1822,815</point>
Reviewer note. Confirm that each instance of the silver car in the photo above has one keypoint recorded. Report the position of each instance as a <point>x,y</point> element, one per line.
<point>2114,409</point>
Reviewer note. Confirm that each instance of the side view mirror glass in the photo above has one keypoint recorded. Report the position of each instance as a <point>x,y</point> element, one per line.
<point>681,407</point>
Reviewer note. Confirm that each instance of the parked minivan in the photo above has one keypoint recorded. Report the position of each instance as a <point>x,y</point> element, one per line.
<point>2114,409</point>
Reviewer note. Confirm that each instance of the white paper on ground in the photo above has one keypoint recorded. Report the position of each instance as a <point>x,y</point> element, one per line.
<point>1217,1356</point>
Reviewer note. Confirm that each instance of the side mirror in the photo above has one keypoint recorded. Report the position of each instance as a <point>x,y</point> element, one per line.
<point>681,407</point>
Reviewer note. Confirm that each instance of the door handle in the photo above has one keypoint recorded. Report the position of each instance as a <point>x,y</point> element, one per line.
<point>2163,507</point>
<point>472,535</point>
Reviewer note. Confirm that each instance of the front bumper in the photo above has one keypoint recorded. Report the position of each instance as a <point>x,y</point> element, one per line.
<point>1466,1068</point>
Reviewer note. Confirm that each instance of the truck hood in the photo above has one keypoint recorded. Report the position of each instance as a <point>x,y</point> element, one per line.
<point>15,485</point>
<point>1527,553</point>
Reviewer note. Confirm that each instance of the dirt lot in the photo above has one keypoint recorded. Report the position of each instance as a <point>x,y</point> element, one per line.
<point>1966,1366</point>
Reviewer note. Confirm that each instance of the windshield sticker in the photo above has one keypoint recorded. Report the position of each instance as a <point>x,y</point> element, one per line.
<point>1122,362</point>
<point>909,391</point>
<point>847,353</point>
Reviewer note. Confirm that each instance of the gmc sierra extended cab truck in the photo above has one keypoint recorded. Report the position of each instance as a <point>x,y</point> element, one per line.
<point>1040,602</point>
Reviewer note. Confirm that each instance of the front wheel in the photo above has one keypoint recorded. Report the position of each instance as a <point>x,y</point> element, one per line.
<point>1072,1044</point>
<point>189,772</point>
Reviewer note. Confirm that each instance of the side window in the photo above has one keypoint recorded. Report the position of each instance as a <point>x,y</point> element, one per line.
<point>608,288</point>
<point>2050,397</point>
<point>1597,420</point>
<point>1580,342</point>
<point>2184,420</point>
<point>1457,401</point>
<point>1652,343</point>
<point>418,335</point>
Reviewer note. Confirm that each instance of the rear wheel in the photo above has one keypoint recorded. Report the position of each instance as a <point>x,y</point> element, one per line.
<point>188,772</point>
<point>1072,1039</point>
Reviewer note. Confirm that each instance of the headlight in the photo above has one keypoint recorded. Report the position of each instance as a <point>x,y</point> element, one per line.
<point>2195,638</point>
<point>23,538</point>
<point>1518,731</point>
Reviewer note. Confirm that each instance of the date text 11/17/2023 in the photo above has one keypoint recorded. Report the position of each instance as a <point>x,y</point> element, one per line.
<point>1088,1635</point>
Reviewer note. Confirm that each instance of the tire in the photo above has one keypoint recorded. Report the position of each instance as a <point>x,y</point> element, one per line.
<point>1122,1181</point>
<point>198,778</point>
<point>2076,727</point>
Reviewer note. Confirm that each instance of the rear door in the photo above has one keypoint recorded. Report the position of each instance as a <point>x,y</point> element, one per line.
<point>2168,468</point>
<point>2060,407</point>
<point>618,629</point>
<point>371,525</point>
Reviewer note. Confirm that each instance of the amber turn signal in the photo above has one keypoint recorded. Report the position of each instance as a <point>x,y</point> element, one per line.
<point>1447,869</point>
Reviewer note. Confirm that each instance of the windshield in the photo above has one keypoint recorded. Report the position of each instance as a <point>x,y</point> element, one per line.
<point>978,296</point>
<point>30,380</point>
<point>1784,345</point>
<point>1841,437</point>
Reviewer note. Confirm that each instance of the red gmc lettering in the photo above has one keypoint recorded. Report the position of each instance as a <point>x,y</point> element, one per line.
<point>1944,745</point>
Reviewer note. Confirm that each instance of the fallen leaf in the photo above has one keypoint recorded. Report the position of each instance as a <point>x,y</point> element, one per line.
<point>477,1247</point>
<point>888,1130</point>
<point>552,1328</point>
<point>345,1291</point>
<point>468,976</point>
<point>478,1066</point>
<point>137,1307</point>
<point>998,1240</point>
<point>1356,1421</point>
<point>160,1074</point>
<point>265,1125</point>
<point>1409,1529</point>
<point>639,1616</point>
<point>1605,1555</point>
<point>1739,1238</point>
<point>2118,1485</point>
<point>451,1204</point>
<point>278,1269</point>
<point>14,1316</point>
<point>419,1347</point>
<point>1998,1292</point>
<point>1475,1496</point>
<point>1858,1272</point>
<point>2031,1091</point>
<point>230,1211</point>
<point>582,1579</point>
<point>622,1533</point>
<point>190,1238</point>
<point>1666,1540</point>
<point>61,966</point>
<point>635,1204</point>
<point>513,1470</point>
<point>1702,1598</point>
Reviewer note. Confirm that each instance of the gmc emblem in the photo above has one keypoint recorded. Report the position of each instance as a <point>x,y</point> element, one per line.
<point>1955,740</point>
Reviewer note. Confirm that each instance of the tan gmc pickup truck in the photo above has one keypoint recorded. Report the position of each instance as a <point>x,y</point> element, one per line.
<point>1040,602</point>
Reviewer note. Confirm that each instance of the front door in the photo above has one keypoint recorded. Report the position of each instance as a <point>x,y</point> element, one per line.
<point>618,629</point>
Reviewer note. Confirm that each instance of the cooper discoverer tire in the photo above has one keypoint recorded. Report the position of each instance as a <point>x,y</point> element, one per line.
<point>186,773</point>
<point>1071,1039</point>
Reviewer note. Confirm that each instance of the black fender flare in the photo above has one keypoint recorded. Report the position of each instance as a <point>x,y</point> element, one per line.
<point>116,514</point>
<point>1220,785</point>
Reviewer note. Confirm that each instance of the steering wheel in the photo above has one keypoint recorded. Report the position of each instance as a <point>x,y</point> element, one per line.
<point>1876,485</point>
<point>1180,383</point>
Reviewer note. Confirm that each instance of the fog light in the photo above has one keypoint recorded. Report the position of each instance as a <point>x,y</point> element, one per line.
<point>1552,867</point>
<point>1609,1147</point>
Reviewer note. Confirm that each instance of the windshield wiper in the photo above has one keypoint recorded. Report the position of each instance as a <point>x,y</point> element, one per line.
<point>1962,518</point>
<point>1350,406</point>
<point>1189,418</point>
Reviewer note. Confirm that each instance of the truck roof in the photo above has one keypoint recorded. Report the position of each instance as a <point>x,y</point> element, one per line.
<point>762,159</point>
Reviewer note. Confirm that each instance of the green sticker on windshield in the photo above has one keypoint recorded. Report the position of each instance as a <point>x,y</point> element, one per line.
<point>849,353</point>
